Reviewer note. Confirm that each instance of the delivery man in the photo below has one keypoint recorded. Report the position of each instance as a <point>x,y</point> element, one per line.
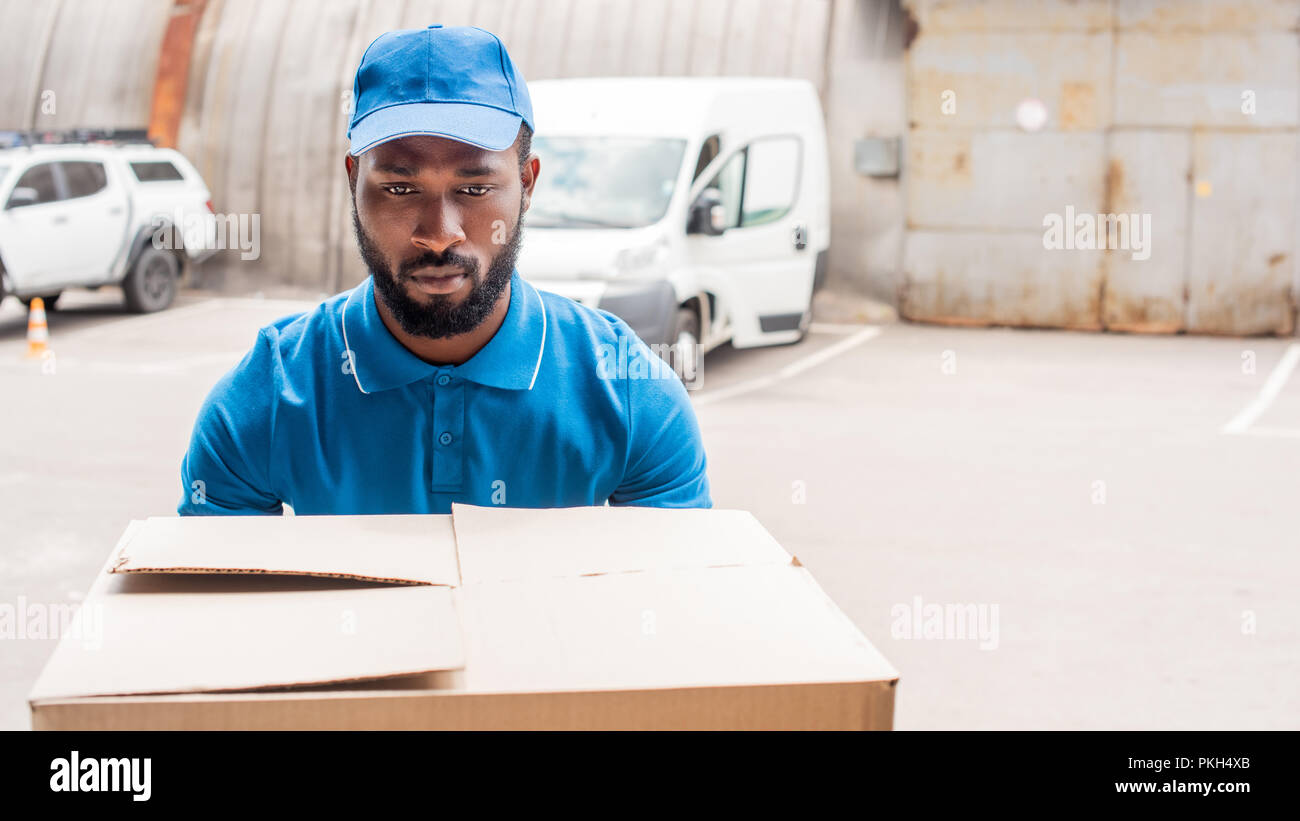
<point>444,376</point>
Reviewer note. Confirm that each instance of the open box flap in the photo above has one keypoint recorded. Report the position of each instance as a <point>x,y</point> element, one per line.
<point>405,549</point>
<point>758,625</point>
<point>502,544</point>
<point>161,634</point>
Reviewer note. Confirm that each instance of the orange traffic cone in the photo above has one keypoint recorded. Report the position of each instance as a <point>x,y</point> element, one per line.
<point>38,335</point>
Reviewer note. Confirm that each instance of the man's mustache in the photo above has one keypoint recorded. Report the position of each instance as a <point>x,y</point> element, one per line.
<point>445,259</point>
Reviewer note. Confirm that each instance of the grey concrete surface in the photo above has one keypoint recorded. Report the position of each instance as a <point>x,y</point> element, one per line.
<point>957,465</point>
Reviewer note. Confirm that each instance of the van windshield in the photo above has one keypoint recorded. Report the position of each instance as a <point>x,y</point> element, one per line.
<point>603,182</point>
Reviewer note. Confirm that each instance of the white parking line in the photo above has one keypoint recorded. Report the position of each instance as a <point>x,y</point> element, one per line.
<point>793,369</point>
<point>1272,386</point>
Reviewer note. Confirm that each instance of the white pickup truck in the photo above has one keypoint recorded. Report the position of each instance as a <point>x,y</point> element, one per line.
<point>85,214</point>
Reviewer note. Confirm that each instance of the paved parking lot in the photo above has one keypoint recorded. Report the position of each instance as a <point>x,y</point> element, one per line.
<point>1138,562</point>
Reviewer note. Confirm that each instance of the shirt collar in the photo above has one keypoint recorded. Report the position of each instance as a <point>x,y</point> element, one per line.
<point>511,359</point>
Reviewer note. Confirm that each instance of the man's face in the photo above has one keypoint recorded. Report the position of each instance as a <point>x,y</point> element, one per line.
<point>438,224</point>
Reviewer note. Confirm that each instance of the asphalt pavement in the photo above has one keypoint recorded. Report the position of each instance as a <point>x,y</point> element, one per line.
<point>1116,514</point>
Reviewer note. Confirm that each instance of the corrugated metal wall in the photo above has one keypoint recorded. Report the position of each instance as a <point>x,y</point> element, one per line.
<point>75,63</point>
<point>1147,115</point>
<point>288,102</point>
<point>265,115</point>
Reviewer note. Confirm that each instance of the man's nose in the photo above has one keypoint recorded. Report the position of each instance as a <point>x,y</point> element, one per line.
<point>439,228</point>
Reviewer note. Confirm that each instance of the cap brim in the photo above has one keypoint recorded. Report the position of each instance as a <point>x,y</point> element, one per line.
<point>479,125</point>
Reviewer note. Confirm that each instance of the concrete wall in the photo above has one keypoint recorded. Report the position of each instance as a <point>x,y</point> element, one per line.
<point>1186,112</point>
<point>864,98</point>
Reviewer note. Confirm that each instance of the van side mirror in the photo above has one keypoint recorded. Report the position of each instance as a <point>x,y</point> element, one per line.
<point>23,196</point>
<point>708,214</point>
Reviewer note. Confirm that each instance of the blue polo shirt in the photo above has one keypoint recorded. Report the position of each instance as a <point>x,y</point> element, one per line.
<point>565,406</point>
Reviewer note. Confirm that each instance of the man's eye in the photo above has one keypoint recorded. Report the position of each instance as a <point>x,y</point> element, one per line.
<point>400,190</point>
<point>475,190</point>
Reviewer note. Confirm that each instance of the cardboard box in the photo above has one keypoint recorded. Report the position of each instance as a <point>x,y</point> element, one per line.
<point>490,618</point>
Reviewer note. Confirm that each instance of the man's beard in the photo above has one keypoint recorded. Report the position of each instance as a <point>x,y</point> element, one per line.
<point>440,318</point>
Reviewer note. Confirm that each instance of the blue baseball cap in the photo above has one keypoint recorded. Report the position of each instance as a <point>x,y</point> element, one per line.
<point>456,82</point>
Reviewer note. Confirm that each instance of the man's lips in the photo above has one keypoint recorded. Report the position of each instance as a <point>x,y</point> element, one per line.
<point>435,281</point>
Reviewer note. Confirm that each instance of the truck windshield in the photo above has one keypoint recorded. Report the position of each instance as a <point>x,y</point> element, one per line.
<point>603,182</point>
<point>4,169</point>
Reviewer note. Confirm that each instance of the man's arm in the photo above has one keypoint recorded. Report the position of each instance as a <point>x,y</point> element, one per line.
<point>666,465</point>
<point>226,469</point>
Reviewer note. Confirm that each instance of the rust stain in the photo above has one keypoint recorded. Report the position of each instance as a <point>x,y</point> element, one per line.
<point>173,72</point>
<point>1254,310</point>
<point>1276,260</point>
<point>1078,106</point>
<point>1143,315</point>
<point>959,163</point>
<point>1209,17</point>
<point>955,321</point>
<point>910,28</point>
<point>1113,187</point>
<point>1163,328</point>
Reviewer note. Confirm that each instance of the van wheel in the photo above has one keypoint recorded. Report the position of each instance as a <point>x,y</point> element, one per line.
<point>804,322</point>
<point>151,285</point>
<point>686,345</point>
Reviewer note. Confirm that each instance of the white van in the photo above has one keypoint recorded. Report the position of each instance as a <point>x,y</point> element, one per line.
<point>695,209</point>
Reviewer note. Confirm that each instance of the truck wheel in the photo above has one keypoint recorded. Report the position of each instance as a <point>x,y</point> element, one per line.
<point>151,284</point>
<point>51,301</point>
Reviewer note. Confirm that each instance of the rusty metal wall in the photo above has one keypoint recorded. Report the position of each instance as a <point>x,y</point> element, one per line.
<point>1147,114</point>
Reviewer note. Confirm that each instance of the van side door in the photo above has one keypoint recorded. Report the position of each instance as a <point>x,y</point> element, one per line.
<point>762,257</point>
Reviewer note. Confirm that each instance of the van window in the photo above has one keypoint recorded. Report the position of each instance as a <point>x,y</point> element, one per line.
<point>771,179</point>
<point>604,182</point>
<point>730,182</point>
<point>711,148</point>
<point>84,178</point>
<point>758,184</point>
<point>40,177</point>
<point>156,171</point>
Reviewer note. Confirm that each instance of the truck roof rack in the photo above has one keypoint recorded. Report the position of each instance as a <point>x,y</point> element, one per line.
<point>72,136</point>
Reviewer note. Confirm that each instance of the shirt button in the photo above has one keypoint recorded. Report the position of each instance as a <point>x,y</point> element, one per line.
<point>444,379</point>
<point>445,438</point>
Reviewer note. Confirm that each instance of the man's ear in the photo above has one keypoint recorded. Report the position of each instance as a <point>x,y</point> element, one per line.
<point>350,165</point>
<point>528,179</point>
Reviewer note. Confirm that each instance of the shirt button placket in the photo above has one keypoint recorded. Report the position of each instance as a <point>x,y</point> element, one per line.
<point>448,432</point>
